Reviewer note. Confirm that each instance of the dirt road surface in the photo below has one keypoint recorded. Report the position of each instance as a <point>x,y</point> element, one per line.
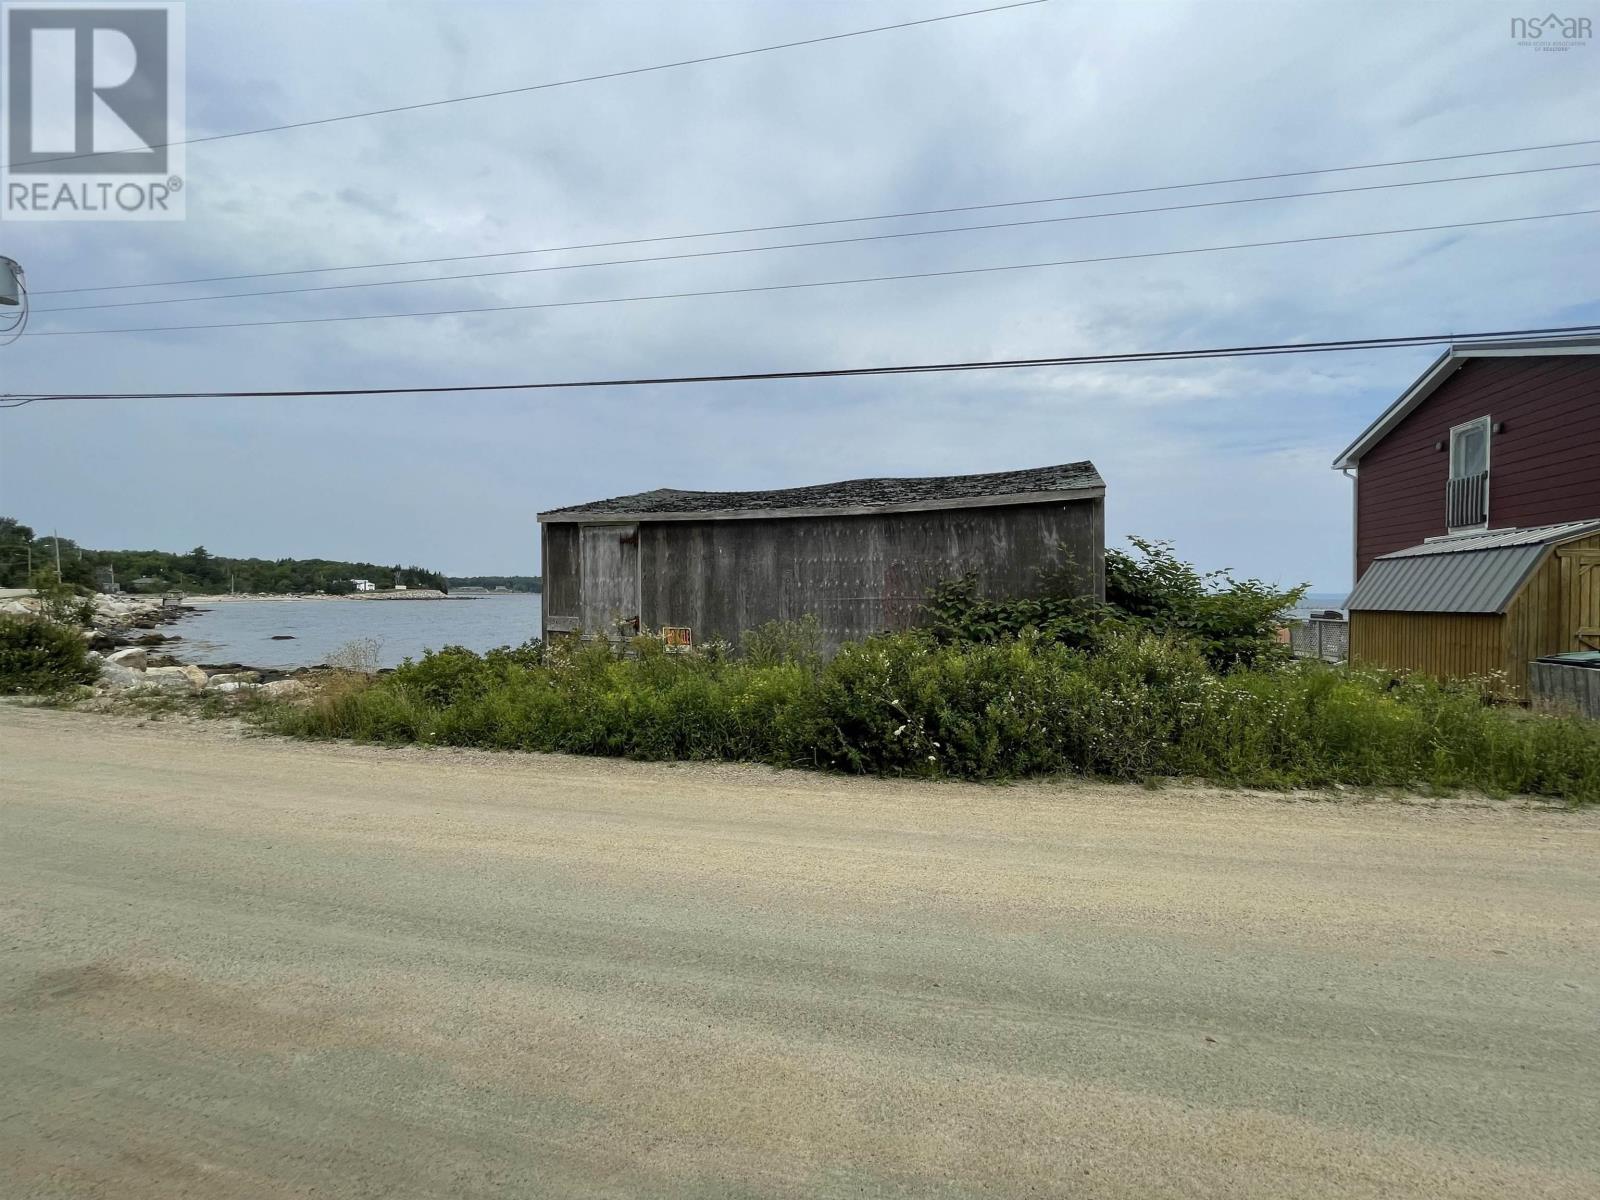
<point>233,967</point>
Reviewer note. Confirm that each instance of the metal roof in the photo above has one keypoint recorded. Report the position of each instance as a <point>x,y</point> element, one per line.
<point>1495,539</point>
<point>1466,573</point>
<point>1077,480</point>
<point>1446,365</point>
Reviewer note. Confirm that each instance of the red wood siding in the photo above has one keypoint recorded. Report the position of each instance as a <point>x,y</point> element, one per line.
<point>1543,469</point>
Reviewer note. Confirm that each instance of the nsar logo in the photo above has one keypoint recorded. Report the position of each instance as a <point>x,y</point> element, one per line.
<point>1551,32</point>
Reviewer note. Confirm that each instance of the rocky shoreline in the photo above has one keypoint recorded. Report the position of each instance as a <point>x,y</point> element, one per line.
<point>133,669</point>
<point>115,620</point>
<point>125,641</point>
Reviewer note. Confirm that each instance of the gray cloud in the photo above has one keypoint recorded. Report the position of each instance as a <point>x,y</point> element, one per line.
<point>1228,459</point>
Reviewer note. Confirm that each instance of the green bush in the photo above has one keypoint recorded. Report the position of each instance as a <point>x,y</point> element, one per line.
<point>1232,622</point>
<point>797,642</point>
<point>954,612</point>
<point>1138,706</point>
<point>63,603</point>
<point>41,657</point>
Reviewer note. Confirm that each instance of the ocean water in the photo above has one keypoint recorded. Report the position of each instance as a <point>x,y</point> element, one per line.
<point>242,630</point>
<point>1318,601</point>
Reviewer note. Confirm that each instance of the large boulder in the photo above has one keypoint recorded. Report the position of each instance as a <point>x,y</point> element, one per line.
<point>133,658</point>
<point>216,681</point>
<point>171,679</point>
<point>120,678</point>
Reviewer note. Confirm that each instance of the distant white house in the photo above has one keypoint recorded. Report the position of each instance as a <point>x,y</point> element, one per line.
<point>399,587</point>
<point>364,585</point>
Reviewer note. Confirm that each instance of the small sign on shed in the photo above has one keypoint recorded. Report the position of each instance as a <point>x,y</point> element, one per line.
<point>677,637</point>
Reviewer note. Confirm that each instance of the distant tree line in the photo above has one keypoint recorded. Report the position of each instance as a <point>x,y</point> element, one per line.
<point>514,583</point>
<point>197,571</point>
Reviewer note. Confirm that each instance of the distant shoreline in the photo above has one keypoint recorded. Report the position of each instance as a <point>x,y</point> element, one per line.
<point>298,597</point>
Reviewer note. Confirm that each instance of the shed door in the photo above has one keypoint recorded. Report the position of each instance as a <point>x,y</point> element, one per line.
<point>1580,598</point>
<point>608,557</point>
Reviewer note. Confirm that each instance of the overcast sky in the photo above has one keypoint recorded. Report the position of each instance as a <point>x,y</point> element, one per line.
<point>1230,460</point>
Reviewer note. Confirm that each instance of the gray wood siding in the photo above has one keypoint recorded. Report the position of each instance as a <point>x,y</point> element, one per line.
<point>859,575</point>
<point>558,557</point>
<point>608,590</point>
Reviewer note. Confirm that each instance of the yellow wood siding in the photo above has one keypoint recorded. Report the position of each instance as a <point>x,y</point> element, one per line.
<point>1445,645</point>
<point>1576,581</point>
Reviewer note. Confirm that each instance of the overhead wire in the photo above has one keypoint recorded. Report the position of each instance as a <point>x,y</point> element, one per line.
<point>14,328</point>
<point>737,250</point>
<point>539,87</point>
<point>819,283</point>
<point>773,228</point>
<point>1519,335</point>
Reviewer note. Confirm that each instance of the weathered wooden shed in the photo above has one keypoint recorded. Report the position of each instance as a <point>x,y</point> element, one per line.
<point>1471,604</point>
<point>860,555</point>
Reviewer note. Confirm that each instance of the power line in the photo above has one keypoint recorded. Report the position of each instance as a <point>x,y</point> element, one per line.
<point>1137,356</point>
<point>819,283</point>
<point>874,237</point>
<point>539,87</point>
<point>894,216</point>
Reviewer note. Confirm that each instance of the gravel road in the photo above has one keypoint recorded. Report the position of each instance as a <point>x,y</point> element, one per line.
<point>233,967</point>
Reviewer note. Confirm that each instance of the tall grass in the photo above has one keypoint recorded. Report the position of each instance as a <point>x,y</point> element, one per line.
<point>1139,707</point>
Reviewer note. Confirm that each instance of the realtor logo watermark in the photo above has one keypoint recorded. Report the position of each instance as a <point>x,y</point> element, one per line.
<point>1551,32</point>
<point>94,111</point>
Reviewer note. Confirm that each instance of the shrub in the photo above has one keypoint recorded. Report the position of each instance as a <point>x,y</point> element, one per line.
<point>40,656</point>
<point>1135,706</point>
<point>954,613</point>
<point>63,603</point>
<point>1232,622</point>
<point>797,642</point>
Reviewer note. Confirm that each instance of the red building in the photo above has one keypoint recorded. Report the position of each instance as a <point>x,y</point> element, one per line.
<point>1492,436</point>
<point>1477,522</point>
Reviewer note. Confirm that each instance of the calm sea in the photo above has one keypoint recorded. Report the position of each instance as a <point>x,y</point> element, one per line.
<point>243,630</point>
<point>1318,601</point>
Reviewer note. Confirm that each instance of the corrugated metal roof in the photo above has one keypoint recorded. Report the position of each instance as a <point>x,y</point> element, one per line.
<point>1494,539</point>
<point>952,491</point>
<point>1479,582</point>
<point>1474,573</point>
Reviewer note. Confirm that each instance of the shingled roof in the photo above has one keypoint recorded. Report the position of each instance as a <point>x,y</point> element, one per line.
<point>1077,480</point>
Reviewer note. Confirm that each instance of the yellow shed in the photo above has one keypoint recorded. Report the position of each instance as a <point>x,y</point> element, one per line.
<point>1472,604</point>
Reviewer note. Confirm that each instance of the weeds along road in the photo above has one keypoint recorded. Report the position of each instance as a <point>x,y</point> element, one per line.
<point>243,968</point>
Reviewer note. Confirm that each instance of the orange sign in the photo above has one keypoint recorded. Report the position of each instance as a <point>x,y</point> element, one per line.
<point>677,635</point>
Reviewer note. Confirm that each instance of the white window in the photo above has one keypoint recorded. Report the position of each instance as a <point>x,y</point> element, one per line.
<point>1467,492</point>
<point>1469,449</point>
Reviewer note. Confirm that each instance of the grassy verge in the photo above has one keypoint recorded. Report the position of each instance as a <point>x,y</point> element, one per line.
<point>1138,707</point>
